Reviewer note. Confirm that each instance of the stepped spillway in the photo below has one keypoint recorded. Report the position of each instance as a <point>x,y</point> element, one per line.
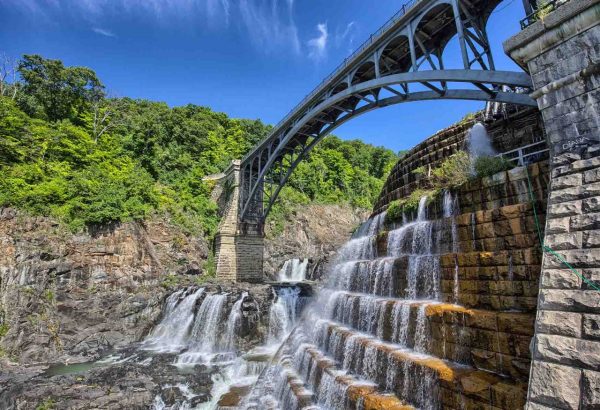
<point>432,313</point>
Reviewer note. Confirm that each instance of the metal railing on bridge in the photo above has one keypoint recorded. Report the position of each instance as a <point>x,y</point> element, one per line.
<point>544,7</point>
<point>372,38</point>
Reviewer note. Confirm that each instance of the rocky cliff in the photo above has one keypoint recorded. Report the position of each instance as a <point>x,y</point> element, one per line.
<point>315,232</point>
<point>65,296</point>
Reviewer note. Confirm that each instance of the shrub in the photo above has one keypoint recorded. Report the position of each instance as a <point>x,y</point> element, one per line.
<point>3,330</point>
<point>453,172</point>
<point>394,211</point>
<point>488,166</point>
<point>409,204</point>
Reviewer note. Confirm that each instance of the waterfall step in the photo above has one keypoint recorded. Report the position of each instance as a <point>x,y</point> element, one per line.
<point>488,340</point>
<point>336,386</point>
<point>368,355</point>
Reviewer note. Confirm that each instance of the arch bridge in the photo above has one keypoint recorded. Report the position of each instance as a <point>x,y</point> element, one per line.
<point>402,62</point>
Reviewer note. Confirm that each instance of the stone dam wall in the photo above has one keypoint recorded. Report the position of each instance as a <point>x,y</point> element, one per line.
<point>512,128</point>
<point>490,283</point>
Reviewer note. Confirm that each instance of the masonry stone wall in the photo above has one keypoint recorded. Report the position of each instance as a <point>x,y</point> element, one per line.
<point>238,249</point>
<point>562,53</point>
<point>514,127</point>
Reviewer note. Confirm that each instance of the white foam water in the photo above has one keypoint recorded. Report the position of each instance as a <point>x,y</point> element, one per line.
<point>293,270</point>
<point>370,306</point>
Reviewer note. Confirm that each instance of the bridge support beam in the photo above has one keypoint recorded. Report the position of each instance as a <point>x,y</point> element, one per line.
<point>563,58</point>
<point>239,246</point>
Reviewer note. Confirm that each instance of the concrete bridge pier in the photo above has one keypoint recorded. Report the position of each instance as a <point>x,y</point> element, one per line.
<point>562,54</point>
<point>238,245</point>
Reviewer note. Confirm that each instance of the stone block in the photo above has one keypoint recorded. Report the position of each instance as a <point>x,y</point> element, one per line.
<point>557,225</point>
<point>508,396</point>
<point>591,390</point>
<point>567,181</point>
<point>591,190</point>
<point>570,300</point>
<point>564,241</point>
<point>517,323</point>
<point>591,204</point>
<point>586,164</point>
<point>578,258</point>
<point>565,209</point>
<point>591,239</point>
<point>591,327</point>
<point>555,385</point>
<point>592,175</point>
<point>593,276</point>
<point>586,221</point>
<point>568,350</point>
<point>559,323</point>
<point>566,194</point>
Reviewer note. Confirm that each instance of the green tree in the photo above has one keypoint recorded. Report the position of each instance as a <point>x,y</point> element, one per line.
<point>55,92</point>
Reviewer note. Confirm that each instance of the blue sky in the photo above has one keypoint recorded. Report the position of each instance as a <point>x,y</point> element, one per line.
<point>248,58</point>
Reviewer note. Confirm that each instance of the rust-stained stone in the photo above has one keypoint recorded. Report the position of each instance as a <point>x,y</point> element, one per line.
<point>233,396</point>
<point>441,309</point>
<point>383,402</point>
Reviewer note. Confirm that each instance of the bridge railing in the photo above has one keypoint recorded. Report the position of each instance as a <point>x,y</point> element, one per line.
<point>343,65</point>
<point>543,9</point>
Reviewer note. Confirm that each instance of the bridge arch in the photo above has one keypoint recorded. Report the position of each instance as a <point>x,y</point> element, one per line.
<point>402,63</point>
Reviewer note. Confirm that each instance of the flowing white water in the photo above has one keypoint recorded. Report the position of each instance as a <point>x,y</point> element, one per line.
<point>372,304</point>
<point>172,333</point>
<point>480,144</point>
<point>293,270</point>
<point>206,331</point>
<point>283,314</point>
<point>234,322</point>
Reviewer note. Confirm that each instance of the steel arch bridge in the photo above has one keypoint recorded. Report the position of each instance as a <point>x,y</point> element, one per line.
<point>400,63</point>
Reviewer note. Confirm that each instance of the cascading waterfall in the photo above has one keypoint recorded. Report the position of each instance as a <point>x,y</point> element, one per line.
<point>234,321</point>
<point>202,328</point>
<point>283,314</point>
<point>368,324</point>
<point>172,333</point>
<point>204,338</point>
<point>293,270</point>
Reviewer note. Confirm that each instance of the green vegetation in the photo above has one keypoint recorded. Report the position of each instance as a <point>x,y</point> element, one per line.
<point>3,330</point>
<point>452,173</point>
<point>488,166</point>
<point>47,404</point>
<point>68,151</point>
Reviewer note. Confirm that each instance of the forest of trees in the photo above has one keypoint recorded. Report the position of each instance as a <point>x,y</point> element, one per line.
<point>70,152</point>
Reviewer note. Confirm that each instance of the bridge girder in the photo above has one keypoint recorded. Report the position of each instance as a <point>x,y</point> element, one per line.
<point>387,70</point>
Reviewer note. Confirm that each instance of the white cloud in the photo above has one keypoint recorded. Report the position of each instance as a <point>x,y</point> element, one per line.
<point>318,45</point>
<point>103,32</point>
<point>347,34</point>
<point>270,24</point>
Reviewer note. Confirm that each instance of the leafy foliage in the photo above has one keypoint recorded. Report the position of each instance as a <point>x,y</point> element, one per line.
<point>68,151</point>
<point>452,173</point>
<point>409,204</point>
<point>488,166</point>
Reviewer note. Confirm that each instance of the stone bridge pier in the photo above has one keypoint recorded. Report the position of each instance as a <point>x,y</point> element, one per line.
<point>562,54</point>
<point>238,245</point>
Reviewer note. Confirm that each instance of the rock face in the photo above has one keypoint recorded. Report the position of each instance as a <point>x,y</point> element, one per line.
<point>129,385</point>
<point>314,232</point>
<point>67,296</point>
<point>76,298</point>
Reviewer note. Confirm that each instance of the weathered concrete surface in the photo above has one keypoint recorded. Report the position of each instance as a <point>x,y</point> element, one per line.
<point>562,53</point>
